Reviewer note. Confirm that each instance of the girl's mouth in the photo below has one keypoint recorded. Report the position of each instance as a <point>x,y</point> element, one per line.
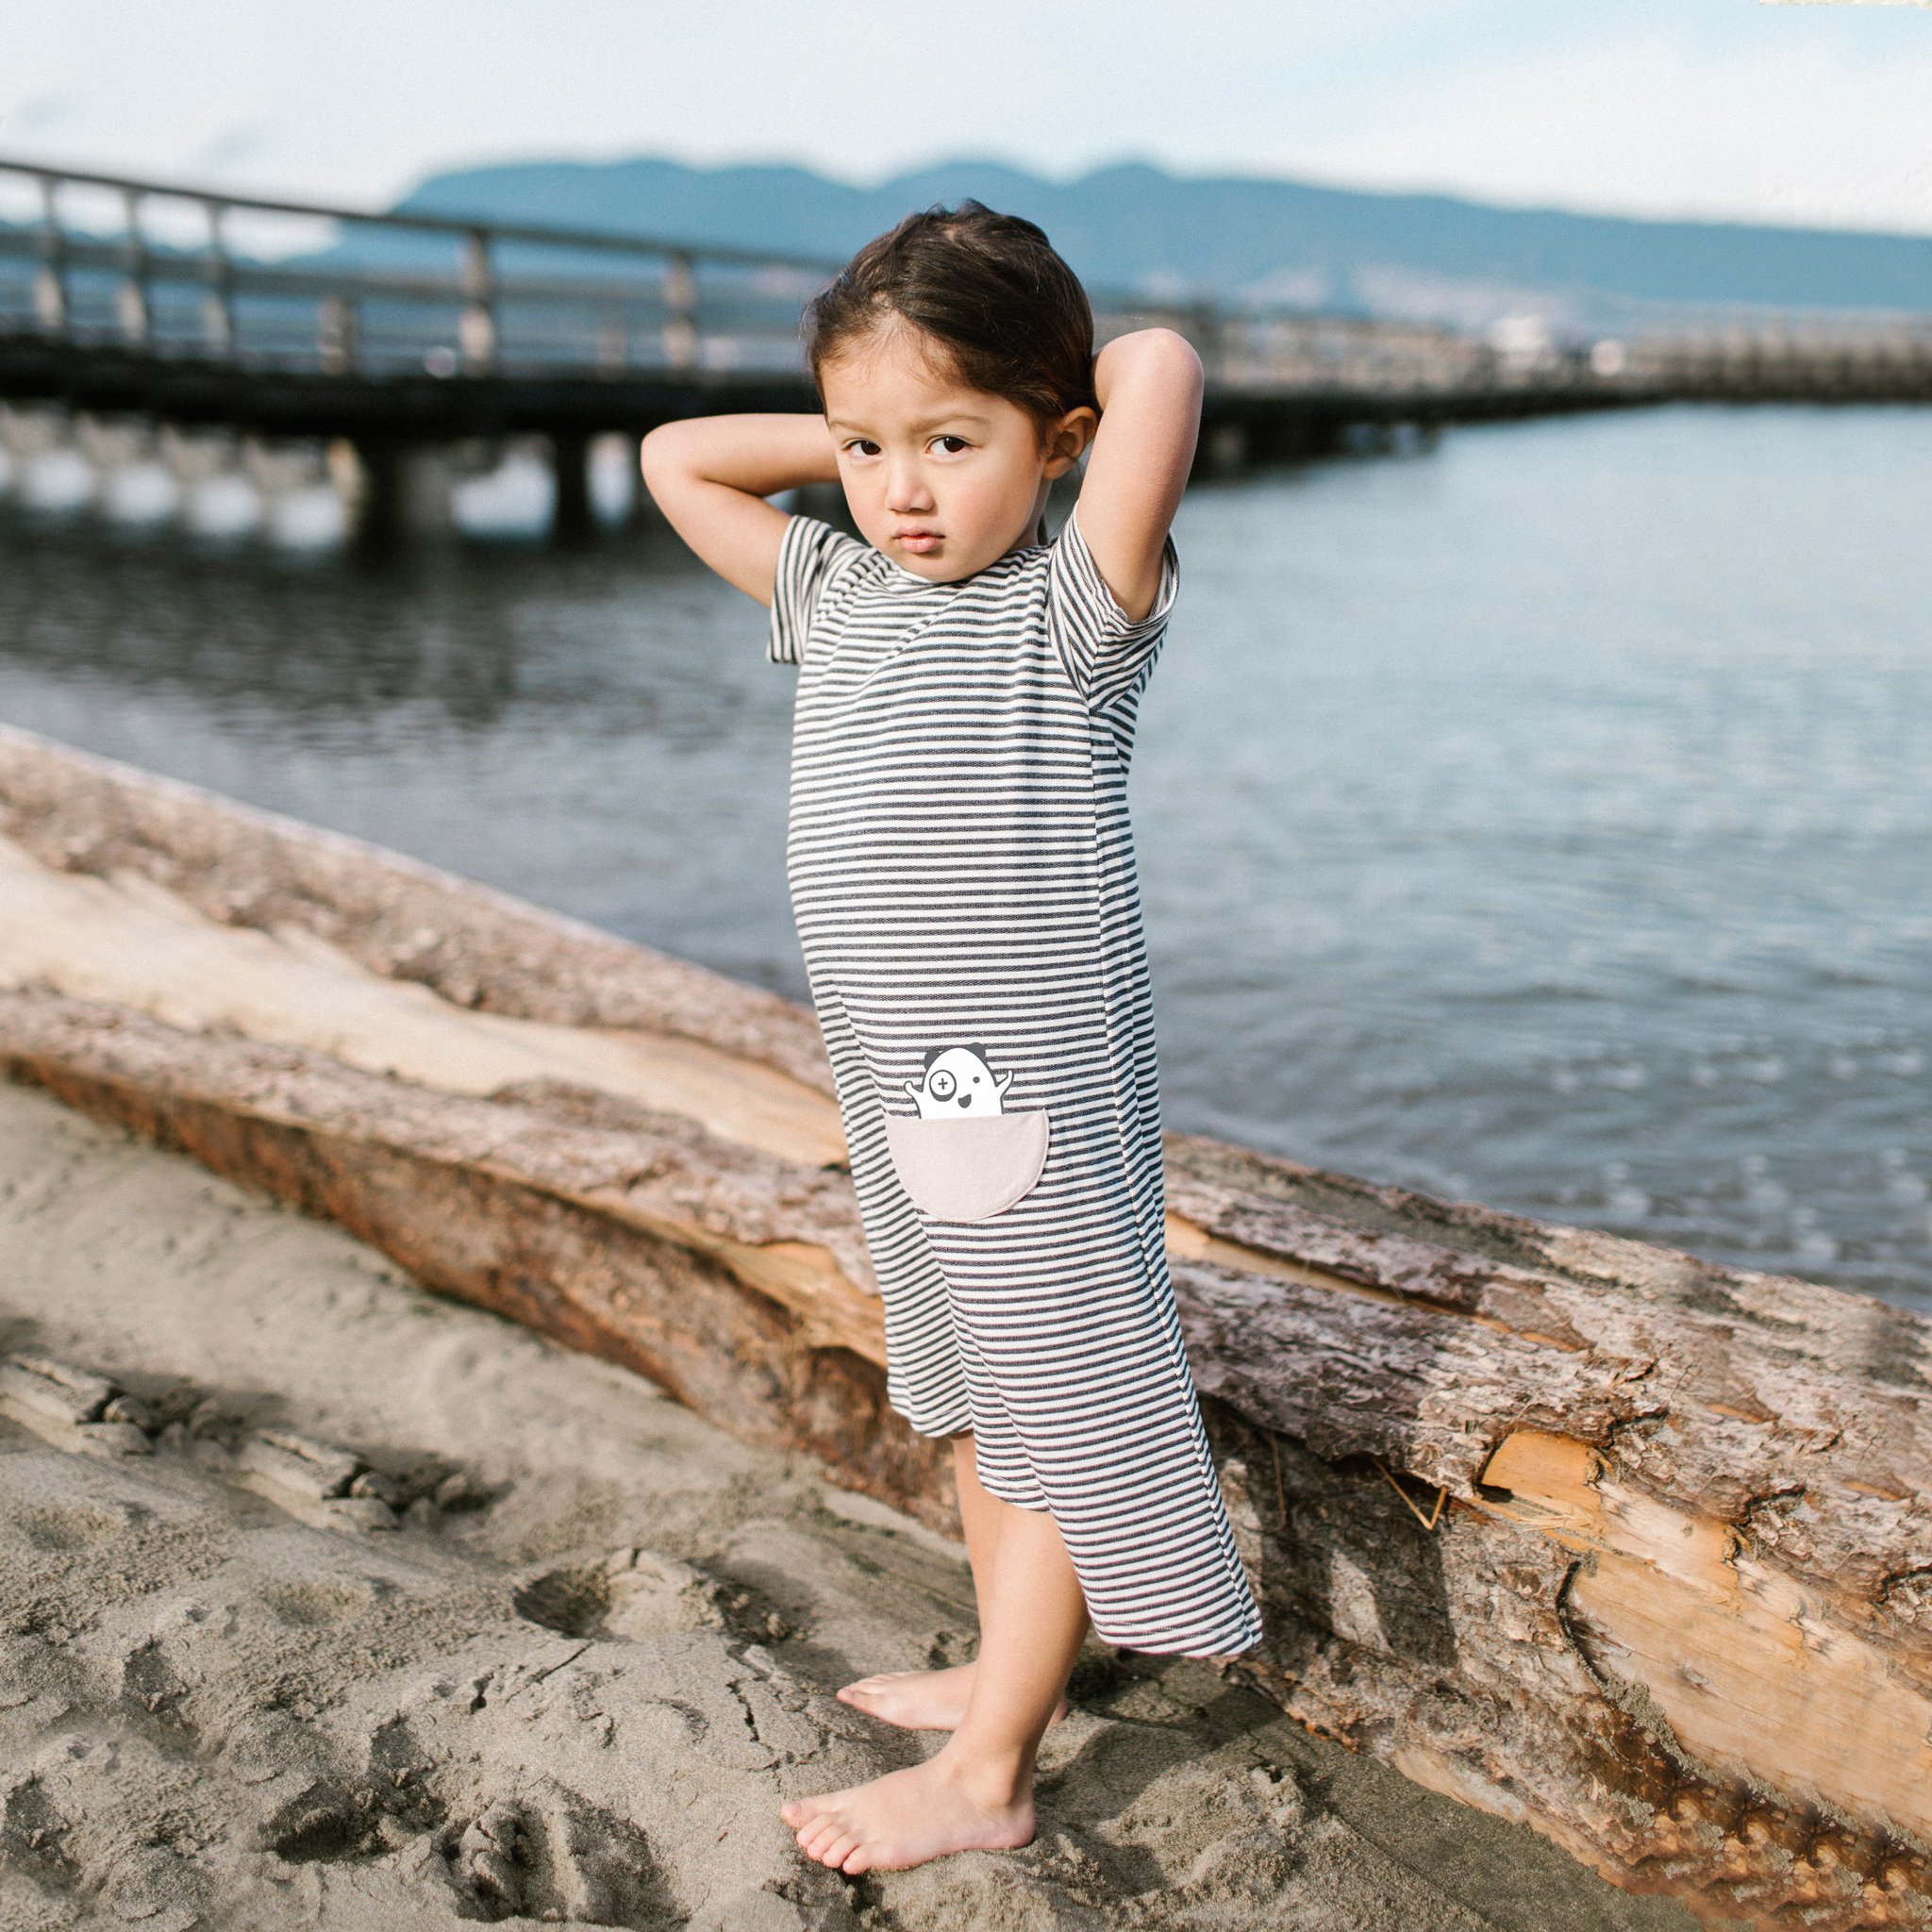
<point>919,542</point>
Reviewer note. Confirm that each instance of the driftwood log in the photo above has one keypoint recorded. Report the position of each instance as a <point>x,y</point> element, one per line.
<point>1627,1546</point>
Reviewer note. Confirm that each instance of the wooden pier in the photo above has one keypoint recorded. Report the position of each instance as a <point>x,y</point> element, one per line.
<point>393,334</point>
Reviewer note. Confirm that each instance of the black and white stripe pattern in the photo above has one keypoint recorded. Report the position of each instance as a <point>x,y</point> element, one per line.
<point>962,871</point>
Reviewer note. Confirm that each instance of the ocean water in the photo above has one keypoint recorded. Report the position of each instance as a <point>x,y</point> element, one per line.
<point>1542,818</point>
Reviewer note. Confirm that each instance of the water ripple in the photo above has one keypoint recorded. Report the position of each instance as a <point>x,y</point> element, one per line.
<point>1547,821</point>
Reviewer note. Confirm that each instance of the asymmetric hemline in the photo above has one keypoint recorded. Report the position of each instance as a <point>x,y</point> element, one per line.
<point>963,876</point>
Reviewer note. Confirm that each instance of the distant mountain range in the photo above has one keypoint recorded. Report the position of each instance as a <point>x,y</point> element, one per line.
<point>1136,228</point>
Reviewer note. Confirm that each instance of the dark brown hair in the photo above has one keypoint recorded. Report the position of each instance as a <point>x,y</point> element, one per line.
<point>1007,311</point>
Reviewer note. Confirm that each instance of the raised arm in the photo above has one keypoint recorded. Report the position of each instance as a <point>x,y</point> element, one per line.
<point>710,476</point>
<point>1149,388</point>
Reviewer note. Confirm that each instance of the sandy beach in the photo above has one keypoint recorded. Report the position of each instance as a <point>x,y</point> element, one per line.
<point>357,1607</point>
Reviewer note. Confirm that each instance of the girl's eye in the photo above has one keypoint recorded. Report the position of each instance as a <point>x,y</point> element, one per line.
<point>861,446</point>
<point>952,445</point>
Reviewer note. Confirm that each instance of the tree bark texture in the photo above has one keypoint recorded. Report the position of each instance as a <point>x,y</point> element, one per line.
<point>1627,1546</point>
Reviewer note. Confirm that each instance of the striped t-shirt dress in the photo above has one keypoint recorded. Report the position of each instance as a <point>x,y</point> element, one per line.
<point>963,876</point>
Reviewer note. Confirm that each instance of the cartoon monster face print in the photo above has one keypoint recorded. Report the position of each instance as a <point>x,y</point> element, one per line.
<point>957,1081</point>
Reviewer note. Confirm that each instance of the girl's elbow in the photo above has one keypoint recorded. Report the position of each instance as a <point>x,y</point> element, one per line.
<point>1155,361</point>
<point>666,465</point>
<point>1169,350</point>
<point>655,453</point>
<point>1188,375</point>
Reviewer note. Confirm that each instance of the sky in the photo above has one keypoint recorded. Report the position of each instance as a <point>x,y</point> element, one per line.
<point>1720,109</point>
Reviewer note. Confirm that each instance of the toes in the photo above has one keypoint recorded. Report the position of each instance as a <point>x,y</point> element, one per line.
<point>810,1820</point>
<point>819,1833</point>
<point>833,1854</point>
<point>840,1853</point>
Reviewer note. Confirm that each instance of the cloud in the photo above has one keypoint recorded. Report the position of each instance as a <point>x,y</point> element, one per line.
<point>1798,133</point>
<point>1642,105</point>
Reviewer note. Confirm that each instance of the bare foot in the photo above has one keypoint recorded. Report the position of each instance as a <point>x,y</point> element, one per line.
<point>920,1700</point>
<point>908,1818</point>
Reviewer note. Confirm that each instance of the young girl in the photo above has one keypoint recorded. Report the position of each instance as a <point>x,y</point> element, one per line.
<point>963,876</point>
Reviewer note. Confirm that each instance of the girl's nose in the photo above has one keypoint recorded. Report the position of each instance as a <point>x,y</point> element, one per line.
<point>906,494</point>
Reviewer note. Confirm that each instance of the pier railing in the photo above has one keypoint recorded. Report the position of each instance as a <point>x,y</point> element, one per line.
<point>255,285</point>
<point>105,261</point>
<point>108,262</point>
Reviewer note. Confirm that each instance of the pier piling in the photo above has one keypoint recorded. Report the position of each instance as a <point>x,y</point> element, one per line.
<point>572,522</point>
<point>402,492</point>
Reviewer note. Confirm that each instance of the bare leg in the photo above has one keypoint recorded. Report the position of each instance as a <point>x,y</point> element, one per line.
<point>936,1700</point>
<point>977,1791</point>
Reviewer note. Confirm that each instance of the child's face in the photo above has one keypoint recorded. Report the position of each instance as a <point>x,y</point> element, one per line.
<point>942,478</point>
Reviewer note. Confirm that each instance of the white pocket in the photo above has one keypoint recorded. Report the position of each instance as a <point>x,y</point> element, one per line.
<point>967,1169</point>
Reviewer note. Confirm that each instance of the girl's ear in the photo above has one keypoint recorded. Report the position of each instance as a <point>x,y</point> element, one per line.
<point>1067,440</point>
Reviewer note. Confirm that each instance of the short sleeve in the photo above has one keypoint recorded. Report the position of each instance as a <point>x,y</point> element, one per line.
<point>1104,652</point>
<point>810,553</point>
